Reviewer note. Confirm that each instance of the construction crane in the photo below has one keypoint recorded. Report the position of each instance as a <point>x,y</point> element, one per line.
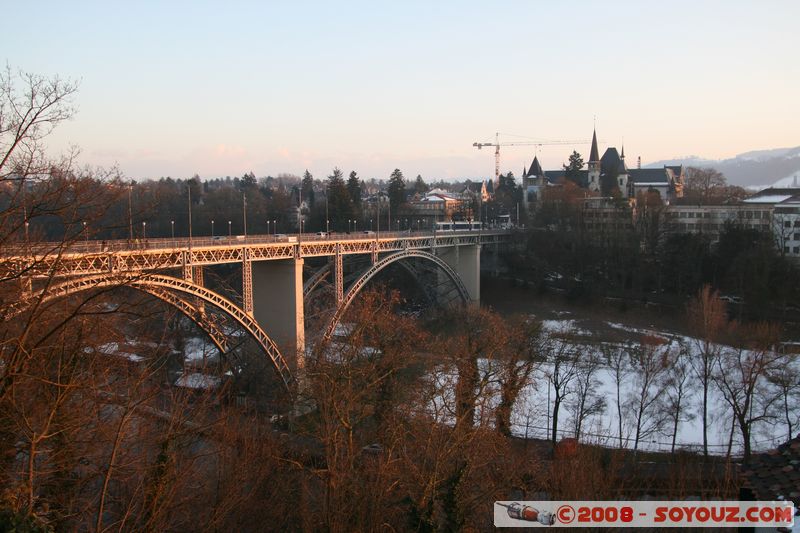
<point>497,144</point>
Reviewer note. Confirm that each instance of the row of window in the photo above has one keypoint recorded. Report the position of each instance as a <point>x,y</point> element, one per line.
<point>600,225</point>
<point>794,250</point>
<point>607,214</point>
<point>788,223</point>
<point>724,214</point>
<point>706,226</point>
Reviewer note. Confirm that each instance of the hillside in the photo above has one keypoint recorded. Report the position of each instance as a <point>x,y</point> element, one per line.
<point>758,167</point>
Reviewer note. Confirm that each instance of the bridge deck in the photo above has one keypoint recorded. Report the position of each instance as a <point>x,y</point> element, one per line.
<point>97,257</point>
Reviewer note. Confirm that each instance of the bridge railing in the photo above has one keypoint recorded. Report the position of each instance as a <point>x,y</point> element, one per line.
<point>92,246</point>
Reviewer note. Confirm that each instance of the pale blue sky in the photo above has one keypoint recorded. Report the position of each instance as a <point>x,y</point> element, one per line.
<point>174,88</point>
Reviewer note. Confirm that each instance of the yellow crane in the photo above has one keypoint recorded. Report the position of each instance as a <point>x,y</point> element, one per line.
<point>497,144</point>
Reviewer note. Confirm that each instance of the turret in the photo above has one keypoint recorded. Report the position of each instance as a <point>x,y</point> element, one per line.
<point>622,174</point>
<point>594,165</point>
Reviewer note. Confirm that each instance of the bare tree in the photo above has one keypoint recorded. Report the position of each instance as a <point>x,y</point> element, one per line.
<point>521,355</point>
<point>472,336</point>
<point>703,183</point>
<point>707,322</point>
<point>678,389</point>
<point>649,362</point>
<point>741,374</point>
<point>563,360</point>
<point>586,400</point>
<point>616,360</point>
<point>786,379</point>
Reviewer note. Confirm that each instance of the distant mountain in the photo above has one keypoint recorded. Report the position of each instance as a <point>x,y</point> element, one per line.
<point>756,168</point>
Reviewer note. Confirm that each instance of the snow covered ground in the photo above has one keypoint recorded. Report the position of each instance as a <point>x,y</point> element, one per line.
<point>532,413</point>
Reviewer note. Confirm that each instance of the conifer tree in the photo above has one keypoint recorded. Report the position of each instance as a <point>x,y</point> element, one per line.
<point>397,189</point>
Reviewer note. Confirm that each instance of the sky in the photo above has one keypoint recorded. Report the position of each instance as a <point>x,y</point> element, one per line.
<point>178,88</point>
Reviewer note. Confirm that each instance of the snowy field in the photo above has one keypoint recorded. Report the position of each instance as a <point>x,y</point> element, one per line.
<point>532,413</point>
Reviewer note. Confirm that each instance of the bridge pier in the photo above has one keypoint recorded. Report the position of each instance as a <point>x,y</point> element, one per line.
<point>466,261</point>
<point>278,306</point>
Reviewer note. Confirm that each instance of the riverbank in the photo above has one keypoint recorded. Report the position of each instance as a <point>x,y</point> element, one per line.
<point>508,298</point>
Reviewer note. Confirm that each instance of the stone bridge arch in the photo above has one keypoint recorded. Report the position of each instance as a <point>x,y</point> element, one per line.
<point>168,289</point>
<point>373,270</point>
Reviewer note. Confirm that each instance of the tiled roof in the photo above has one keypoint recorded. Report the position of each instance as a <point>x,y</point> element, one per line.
<point>775,473</point>
<point>554,176</point>
<point>609,163</point>
<point>648,175</point>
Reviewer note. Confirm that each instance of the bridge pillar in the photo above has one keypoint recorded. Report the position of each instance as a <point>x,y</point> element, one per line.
<point>278,306</point>
<point>466,261</point>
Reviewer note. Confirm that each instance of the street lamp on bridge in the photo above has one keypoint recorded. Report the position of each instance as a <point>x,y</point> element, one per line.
<point>229,229</point>
<point>212,229</point>
<point>172,228</point>
<point>130,213</point>
<point>144,230</point>
<point>244,212</point>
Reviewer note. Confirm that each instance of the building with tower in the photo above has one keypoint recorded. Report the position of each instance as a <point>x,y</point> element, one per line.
<point>607,176</point>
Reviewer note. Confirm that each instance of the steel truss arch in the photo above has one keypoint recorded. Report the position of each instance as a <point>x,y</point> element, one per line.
<point>315,279</point>
<point>370,273</point>
<point>161,286</point>
<point>193,313</point>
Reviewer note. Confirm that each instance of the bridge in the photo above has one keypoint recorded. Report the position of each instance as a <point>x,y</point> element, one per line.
<point>274,292</point>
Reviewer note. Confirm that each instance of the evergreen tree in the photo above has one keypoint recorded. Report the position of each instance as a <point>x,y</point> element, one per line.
<point>248,181</point>
<point>573,167</point>
<point>420,186</point>
<point>340,206</point>
<point>307,188</point>
<point>397,190</point>
<point>354,189</point>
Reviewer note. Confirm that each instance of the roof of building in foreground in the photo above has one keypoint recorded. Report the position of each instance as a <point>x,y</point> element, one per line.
<point>776,473</point>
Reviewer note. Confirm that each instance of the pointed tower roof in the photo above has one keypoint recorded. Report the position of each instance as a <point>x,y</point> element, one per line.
<point>595,153</point>
<point>524,172</point>
<point>622,155</point>
<point>536,168</point>
<point>622,168</point>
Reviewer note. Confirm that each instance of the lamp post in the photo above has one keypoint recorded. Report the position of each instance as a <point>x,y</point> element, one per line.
<point>144,230</point>
<point>27,234</point>
<point>190,214</point>
<point>212,229</point>
<point>172,228</point>
<point>85,232</point>
<point>130,213</point>
<point>267,227</point>
<point>229,229</point>
<point>327,226</point>
<point>370,224</point>
<point>244,213</point>
<point>274,226</point>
